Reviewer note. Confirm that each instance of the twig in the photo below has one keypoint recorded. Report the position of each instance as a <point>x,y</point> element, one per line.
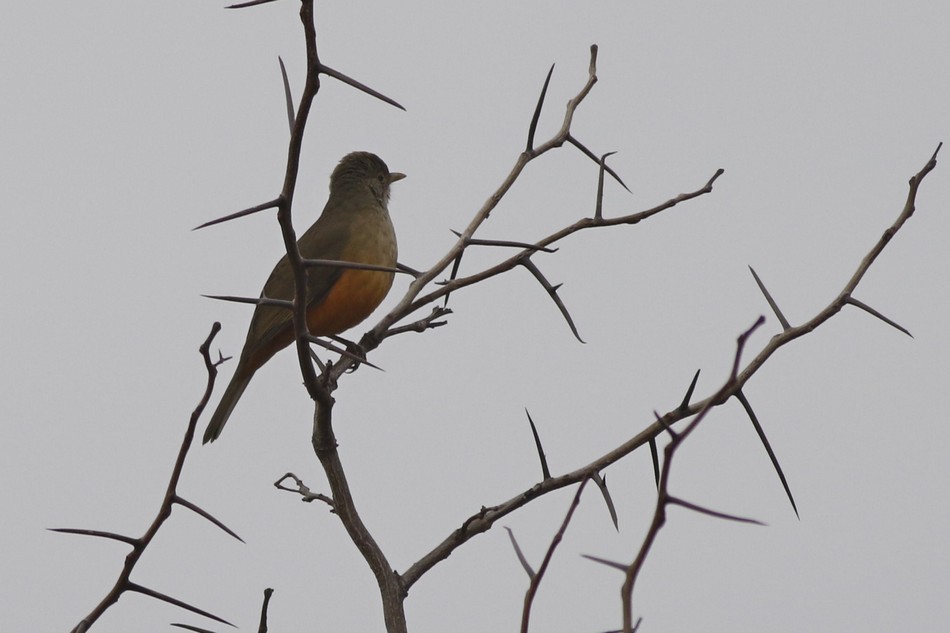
<point>539,576</point>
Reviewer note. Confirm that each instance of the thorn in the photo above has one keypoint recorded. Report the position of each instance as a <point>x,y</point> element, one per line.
<point>656,462</point>
<point>326,70</point>
<point>768,448</point>
<point>532,128</point>
<point>873,312</point>
<point>602,484</point>
<point>552,292</point>
<point>206,515</point>
<point>712,513</point>
<point>604,561</point>
<point>287,96</point>
<point>684,405</point>
<point>518,552</point>
<point>537,442</point>
<point>768,297</point>
<point>240,214</point>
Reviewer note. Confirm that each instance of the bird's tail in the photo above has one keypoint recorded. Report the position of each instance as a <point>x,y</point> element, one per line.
<point>230,398</point>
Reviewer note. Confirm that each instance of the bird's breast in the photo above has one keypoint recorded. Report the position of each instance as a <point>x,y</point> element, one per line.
<point>356,293</point>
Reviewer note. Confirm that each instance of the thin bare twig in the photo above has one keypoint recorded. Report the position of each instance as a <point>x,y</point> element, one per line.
<point>302,489</point>
<point>538,577</point>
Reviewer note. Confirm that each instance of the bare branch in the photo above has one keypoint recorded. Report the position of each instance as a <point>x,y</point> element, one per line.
<point>538,577</point>
<point>302,489</point>
<point>506,243</point>
<point>262,627</point>
<point>122,583</point>
<point>663,496</point>
<point>427,323</point>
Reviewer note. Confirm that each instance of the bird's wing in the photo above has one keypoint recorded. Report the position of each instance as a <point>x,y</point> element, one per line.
<point>323,240</point>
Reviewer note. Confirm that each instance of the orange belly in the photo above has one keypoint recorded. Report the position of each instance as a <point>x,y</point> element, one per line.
<point>352,298</point>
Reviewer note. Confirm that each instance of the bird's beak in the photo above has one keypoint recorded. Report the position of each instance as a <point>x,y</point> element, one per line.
<point>393,177</point>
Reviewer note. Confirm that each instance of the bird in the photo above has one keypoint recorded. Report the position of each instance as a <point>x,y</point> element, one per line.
<point>354,226</point>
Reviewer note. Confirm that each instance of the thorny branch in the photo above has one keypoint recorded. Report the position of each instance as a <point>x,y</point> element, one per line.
<point>394,587</point>
<point>483,520</point>
<point>123,583</point>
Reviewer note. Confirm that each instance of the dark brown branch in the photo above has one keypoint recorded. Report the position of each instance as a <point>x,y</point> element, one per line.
<point>663,497</point>
<point>262,627</point>
<point>426,323</point>
<point>324,441</point>
<point>538,577</point>
<point>122,583</point>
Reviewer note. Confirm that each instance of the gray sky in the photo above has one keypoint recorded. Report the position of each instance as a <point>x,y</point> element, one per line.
<point>123,125</point>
